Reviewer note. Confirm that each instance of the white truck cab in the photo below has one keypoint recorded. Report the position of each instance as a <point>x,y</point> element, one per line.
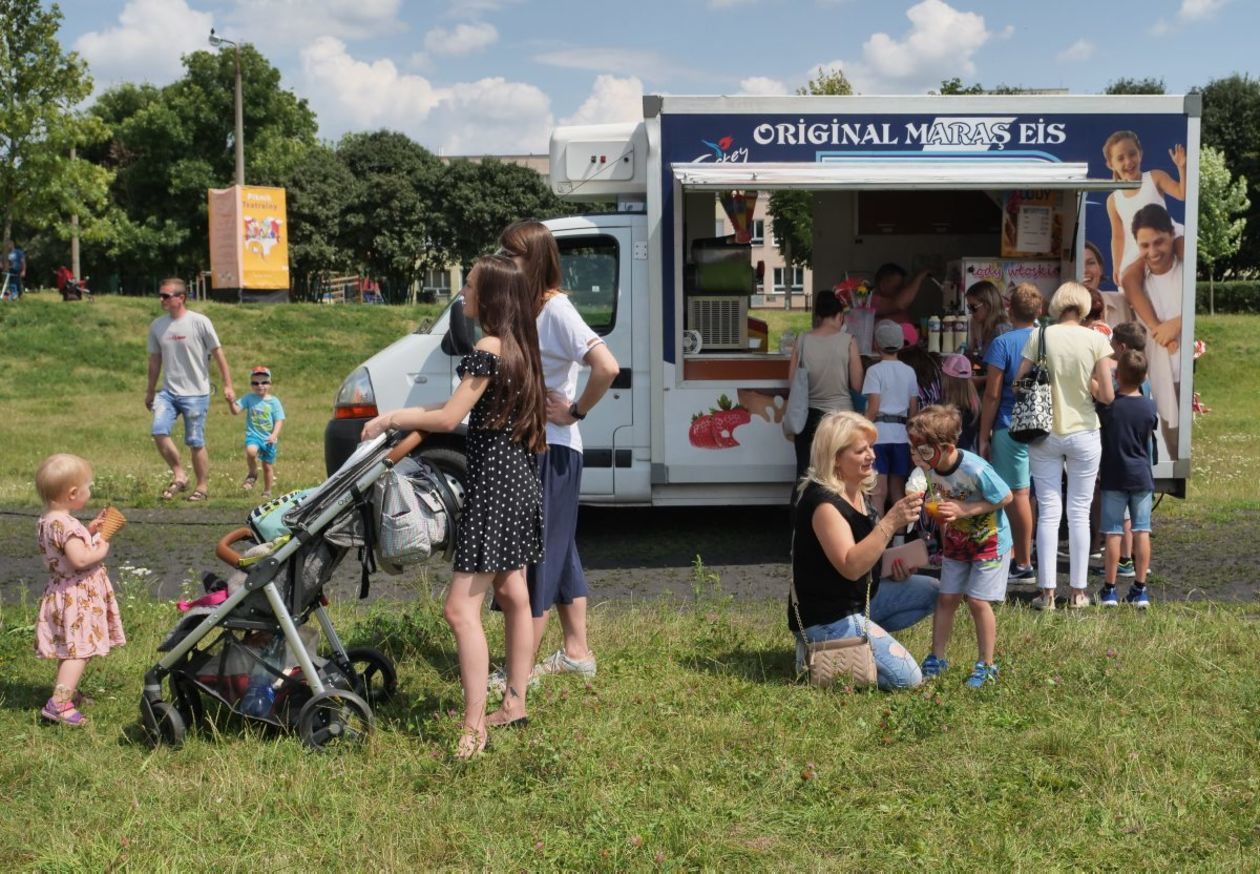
<point>1015,185</point>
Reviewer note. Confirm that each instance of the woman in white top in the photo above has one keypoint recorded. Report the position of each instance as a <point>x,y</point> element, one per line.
<point>831,357</point>
<point>1077,359</point>
<point>1123,153</point>
<point>567,344</point>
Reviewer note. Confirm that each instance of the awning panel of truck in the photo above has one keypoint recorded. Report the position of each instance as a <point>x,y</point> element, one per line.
<point>894,174</point>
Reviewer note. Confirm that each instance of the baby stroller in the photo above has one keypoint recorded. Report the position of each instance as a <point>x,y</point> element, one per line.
<point>261,662</point>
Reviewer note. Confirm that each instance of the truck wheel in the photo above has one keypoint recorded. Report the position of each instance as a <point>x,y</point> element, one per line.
<point>450,461</point>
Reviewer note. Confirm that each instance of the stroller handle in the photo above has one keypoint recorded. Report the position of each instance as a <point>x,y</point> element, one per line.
<point>223,549</point>
<point>405,446</point>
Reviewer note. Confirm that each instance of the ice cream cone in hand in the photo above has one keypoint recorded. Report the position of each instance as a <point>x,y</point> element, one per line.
<point>110,521</point>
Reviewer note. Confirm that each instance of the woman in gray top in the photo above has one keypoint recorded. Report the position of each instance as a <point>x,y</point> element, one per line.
<point>831,357</point>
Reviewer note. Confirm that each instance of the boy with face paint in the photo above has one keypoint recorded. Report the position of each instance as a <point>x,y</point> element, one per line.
<point>975,536</point>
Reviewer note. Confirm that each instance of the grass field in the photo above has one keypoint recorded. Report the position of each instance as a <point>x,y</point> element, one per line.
<point>75,380</point>
<point>1116,741</point>
<point>1113,742</point>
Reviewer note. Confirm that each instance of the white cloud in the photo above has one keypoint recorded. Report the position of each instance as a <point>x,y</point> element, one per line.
<point>761,85</point>
<point>475,8</point>
<point>299,22</point>
<point>1193,10</point>
<point>941,43</point>
<point>611,100</point>
<point>147,42</point>
<point>1190,12</point>
<point>462,39</point>
<point>490,115</point>
<point>1081,50</point>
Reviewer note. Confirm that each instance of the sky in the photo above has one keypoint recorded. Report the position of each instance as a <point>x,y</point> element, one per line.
<point>495,76</point>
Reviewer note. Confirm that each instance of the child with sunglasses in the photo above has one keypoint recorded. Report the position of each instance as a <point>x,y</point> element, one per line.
<point>264,417</point>
<point>975,536</point>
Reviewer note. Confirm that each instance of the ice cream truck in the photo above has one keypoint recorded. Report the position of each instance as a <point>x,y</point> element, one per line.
<point>928,182</point>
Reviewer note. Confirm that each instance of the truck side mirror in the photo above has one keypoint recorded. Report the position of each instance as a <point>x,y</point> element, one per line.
<point>459,339</point>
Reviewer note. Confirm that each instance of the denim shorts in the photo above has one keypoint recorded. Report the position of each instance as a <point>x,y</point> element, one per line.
<point>168,407</point>
<point>892,459</point>
<point>1114,505</point>
<point>266,451</point>
<point>1010,459</point>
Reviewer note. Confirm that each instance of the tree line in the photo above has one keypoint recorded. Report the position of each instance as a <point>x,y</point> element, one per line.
<point>129,174</point>
<point>375,202</point>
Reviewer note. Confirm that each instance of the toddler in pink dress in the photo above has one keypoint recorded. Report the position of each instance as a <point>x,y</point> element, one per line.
<point>78,616</point>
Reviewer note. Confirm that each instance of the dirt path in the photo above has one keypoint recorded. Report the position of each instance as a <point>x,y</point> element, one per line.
<point>629,554</point>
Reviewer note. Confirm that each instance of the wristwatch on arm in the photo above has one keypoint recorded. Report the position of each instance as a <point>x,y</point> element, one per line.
<point>575,413</point>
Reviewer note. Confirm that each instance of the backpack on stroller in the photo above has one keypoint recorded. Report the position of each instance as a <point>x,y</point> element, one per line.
<point>261,663</point>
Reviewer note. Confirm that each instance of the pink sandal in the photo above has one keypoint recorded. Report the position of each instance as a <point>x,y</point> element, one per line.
<point>65,713</point>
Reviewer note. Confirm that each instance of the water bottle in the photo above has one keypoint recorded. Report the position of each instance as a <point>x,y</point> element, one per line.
<point>260,694</point>
<point>934,334</point>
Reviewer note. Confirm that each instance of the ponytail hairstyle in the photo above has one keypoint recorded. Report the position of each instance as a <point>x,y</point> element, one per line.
<point>533,243</point>
<point>505,309</point>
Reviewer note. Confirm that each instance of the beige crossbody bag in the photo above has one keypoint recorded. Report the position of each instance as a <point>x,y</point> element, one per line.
<point>846,660</point>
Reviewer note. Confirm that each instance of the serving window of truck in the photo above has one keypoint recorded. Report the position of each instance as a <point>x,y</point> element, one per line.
<point>960,189</point>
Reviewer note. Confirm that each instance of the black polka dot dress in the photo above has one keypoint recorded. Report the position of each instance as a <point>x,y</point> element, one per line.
<point>501,526</point>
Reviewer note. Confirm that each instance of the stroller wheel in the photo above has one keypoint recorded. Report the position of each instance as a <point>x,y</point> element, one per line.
<point>334,717</point>
<point>161,722</point>
<point>374,679</point>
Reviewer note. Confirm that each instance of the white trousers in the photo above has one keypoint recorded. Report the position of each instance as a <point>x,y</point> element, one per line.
<point>1080,453</point>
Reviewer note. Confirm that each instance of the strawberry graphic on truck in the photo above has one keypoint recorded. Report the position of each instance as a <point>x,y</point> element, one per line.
<point>716,428</point>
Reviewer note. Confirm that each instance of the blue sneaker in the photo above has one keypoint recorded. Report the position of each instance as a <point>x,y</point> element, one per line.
<point>933,667</point>
<point>1137,597</point>
<point>1021,573</point>
<point>1108,598</point>
<point>1125,569</point>
<point>982,674</point>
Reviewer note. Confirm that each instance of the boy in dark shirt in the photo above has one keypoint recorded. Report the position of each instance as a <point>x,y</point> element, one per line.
<point>1127,484</point>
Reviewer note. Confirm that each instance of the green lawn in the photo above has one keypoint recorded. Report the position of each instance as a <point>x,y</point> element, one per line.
<point>1117,741</point>
<point>75,380</point>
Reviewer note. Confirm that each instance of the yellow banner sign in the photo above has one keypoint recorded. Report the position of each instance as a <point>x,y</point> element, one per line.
<point>249,238</point>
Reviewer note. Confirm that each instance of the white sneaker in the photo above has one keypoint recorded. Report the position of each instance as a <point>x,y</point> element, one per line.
<point>559,663</point>
<point>497,684</point>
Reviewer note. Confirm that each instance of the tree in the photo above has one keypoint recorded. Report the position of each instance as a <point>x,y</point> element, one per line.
<point>792,212</point>
<point>479,199</point>
<point>955,86</point>
<point>41,186</point>
<point>170,145</point>
<point>1231,124</point>
<point>1221,200</point>
<point>392,206</point>
<point>319,192</point>
<point>1125,85</point>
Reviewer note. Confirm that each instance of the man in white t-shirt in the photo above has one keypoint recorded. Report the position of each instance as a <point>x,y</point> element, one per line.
<point>181,344</point>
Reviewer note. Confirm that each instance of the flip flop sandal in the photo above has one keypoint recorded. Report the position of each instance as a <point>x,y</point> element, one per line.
<point>197,497</point>
<point>174,489</point>
<point>249,481</point>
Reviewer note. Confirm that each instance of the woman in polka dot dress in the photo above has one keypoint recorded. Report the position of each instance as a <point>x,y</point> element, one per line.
<point>501,526</point>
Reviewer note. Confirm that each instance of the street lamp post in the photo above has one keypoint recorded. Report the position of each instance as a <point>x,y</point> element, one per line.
<point>219,42</point>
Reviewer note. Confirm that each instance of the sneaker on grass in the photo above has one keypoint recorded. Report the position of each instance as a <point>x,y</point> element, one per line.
<point>1022,573</point>
<point>1042,601</point>
<point>933,667</point>
<point>1137,597</point>
<point>982,674</point>
<point>498,681</point>
<point>559,663</point>
<point>1107,597</point>
<point>1125,569</point>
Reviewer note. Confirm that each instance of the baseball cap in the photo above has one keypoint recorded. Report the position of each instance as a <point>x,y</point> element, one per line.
<point>911,333</point>
<point>956,365</point>
<point>260,371</point>
<point>888,335</point>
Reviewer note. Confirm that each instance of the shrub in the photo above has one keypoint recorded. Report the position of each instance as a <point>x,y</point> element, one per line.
<point>1233,296</point>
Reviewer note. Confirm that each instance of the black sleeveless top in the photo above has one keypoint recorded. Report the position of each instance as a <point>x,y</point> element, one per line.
<point>825,596</point>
